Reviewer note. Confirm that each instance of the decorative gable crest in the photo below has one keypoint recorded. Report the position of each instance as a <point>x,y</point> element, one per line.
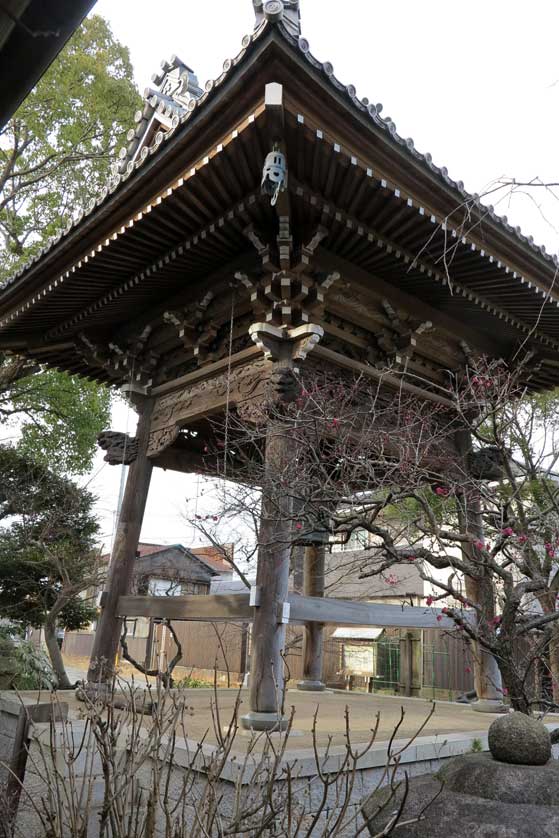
<point>275,10</point>
<point>177,81</point>
<point>177,86</point>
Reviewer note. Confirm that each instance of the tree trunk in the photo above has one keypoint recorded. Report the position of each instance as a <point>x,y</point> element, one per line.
<point>515,686</point>
<point>55,655</point>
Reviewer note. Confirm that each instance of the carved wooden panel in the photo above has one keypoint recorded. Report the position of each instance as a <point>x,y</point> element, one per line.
<point>173,411</point>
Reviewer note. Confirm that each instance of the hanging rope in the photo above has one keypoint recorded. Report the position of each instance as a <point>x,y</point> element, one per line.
<point>228,395</point>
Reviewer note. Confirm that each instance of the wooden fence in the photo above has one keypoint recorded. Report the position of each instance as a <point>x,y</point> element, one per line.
<point>447,664</point>
<point>439,662</point>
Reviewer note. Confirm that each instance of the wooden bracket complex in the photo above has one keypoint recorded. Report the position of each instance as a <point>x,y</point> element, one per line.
<point>286,346</point>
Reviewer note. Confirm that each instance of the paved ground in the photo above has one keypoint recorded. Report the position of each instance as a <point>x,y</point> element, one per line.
<point>330,709</point>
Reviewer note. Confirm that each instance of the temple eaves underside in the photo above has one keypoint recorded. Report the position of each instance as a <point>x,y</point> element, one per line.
<point>424,277</point>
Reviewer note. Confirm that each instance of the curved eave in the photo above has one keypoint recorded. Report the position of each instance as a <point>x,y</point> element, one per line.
<point>25,56</point>
<point>365,130</point>
<point>116,257</point>
<point>412,170</point>
<point>226,101</point>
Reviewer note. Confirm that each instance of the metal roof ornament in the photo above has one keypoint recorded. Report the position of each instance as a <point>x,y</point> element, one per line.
<point>274,176</point>
<point>287,11</point>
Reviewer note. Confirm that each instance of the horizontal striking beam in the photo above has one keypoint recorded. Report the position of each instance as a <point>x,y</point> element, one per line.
<point>342,612</point>
<point>237,608</point>
<point>195,607</point>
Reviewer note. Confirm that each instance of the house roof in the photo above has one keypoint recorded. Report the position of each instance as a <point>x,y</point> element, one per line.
<point>32,33</point>
<point>212,557</point>
<point>122,251</point>
<point>369,633</point>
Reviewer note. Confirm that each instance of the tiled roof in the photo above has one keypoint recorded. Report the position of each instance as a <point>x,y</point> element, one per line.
<point>212,557</point>
<point>143,550</point>
<point>178,114</point>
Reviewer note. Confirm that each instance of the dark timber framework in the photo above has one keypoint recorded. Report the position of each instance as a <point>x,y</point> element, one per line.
<point>344,245</point>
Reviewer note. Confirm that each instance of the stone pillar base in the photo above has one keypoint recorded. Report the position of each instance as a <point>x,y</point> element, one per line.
<point>95,691</point>
<point>489,705</point>
<point>264,721</point>
<point>311,686</point>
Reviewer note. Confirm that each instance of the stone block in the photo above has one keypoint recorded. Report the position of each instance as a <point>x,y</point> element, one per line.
<point>473,803</point>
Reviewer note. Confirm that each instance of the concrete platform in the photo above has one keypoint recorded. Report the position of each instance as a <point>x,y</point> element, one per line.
<point>451,731</point>
<point>448,718</point>
<point>450,721</point>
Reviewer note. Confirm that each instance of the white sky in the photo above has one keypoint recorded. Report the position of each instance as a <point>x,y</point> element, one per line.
<point>476,84</point>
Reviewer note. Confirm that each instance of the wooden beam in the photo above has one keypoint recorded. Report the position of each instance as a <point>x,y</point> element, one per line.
<point>313,636</point>
<point>28,715</point>
<point>340,612</point>
<point>189,461</point>
<point>391,379</point>
<point>207,371</point>
<point>303,609</point>
<point>235,387</point>
<point>121,566</point>
<point>195,607</point>
<point>453,329</point>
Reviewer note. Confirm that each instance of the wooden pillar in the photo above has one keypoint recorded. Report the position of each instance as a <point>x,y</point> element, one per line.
<point>121,568</point>
<point>406,663</point>
<point>243,652</point>
<point>272,582</point>
<point>479,590</point>
<point>313,638</point>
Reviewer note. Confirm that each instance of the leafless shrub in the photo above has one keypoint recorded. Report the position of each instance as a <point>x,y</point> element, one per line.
<point>124,774</point>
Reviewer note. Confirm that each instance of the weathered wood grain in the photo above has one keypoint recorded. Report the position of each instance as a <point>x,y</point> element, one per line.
<point>303,609</point>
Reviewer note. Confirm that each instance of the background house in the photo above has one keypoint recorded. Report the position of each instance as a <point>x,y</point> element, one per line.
<point>429,663</point>
<point>159,570</point>
<point>174,570</point>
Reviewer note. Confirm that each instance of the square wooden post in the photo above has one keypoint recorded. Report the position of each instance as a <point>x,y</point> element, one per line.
<point>121,568</point>
<point>28,714</point>
<point>272,582</point>
<point>479,590</point>
<point>313,638</point>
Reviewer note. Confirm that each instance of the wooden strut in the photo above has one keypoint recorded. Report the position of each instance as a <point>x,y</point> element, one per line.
<point>301,609</point>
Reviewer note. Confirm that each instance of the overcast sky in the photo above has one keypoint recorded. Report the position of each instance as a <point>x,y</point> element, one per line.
<point>476,84</point>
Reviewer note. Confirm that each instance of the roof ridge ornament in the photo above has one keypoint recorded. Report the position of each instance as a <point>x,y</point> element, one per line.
<point>286,11</point>
<point>177,81</point>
